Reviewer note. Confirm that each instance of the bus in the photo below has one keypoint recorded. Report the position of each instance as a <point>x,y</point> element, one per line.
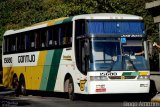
<point>85,54</point>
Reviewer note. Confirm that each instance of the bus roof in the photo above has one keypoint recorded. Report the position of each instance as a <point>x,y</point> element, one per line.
<point>109,16</point>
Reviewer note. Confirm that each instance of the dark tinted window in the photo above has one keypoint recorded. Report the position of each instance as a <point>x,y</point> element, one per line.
<point>57,36</point>
<point>80,27</point>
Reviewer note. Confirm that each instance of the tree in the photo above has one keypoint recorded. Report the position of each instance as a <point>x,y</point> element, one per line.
<point>15,14</point>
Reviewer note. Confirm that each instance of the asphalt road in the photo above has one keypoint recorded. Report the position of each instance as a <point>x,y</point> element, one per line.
<point>60,100</point>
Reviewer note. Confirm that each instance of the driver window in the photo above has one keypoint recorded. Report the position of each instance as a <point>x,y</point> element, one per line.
<point>80,55</point>
<point>133,47</point>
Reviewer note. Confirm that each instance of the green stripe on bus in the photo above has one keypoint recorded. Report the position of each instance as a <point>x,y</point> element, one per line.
<point>47,68</point>
<point>58,22</point>
<point>54,69</point>
<point>64,20</point>
<point>135,74</point>
<point>68,19</point>
<point>126,73</point>
<point>130,73</point>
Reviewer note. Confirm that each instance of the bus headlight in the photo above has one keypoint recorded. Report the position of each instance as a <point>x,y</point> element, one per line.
<point>143,77</point>
<point>98,78</point>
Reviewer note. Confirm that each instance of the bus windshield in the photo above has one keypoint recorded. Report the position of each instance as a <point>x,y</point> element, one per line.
<point>134,57</point>
<point>104,54</point>
<point>111,55</point>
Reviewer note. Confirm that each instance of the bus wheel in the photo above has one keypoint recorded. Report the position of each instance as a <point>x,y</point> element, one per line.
<point>153,90</point>
<point>15,85</point>
<point>22,86</point>
<point>71,93</point>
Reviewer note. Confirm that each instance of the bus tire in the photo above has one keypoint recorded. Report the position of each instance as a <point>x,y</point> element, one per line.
<point>22,86</point>
<point>153,90</point>
<point>15,85</point>
<point>72,95</point>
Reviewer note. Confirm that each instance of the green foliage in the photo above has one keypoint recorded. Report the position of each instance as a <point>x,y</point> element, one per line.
<point>15,14</point>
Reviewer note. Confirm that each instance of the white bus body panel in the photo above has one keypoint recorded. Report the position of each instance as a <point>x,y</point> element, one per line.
<point>119,87</point>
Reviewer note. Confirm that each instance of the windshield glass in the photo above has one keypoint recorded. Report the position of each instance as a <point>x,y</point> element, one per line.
<point>104,54</point>
<point>112,55</point>
<point>133,56</point>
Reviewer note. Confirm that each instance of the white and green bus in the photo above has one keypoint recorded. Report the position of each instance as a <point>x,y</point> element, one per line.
<point>83,54</point>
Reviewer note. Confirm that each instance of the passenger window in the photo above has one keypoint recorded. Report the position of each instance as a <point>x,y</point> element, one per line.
<point>13,43</point>
<point>27,39</point>
<point>6,46</point>
<point>38,39</point>
<point>55,35</point>
<point>32,40</point>
<point>68,34</point>
<point>49,37</point>
<point>20,42</point>
<point>43,38</point>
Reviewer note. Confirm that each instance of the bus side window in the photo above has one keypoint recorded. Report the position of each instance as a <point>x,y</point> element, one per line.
<point>43,37</point>
<point>67,39</point>
<point>13,43</point>
<point>37,38</point>
<point>6,44</point>
<point>65,34</point>
<point>22,42</point>
<point>18,42</point>
<point>49,37</point>
<point>32,40</point>
<point>60,35</point>
<point>27,43</point>
<point>55,35</point>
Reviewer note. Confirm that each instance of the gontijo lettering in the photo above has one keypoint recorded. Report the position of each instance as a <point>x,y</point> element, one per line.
<point>26,58</point>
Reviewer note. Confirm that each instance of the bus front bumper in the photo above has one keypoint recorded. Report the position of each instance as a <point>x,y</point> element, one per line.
<point>116,87</point>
